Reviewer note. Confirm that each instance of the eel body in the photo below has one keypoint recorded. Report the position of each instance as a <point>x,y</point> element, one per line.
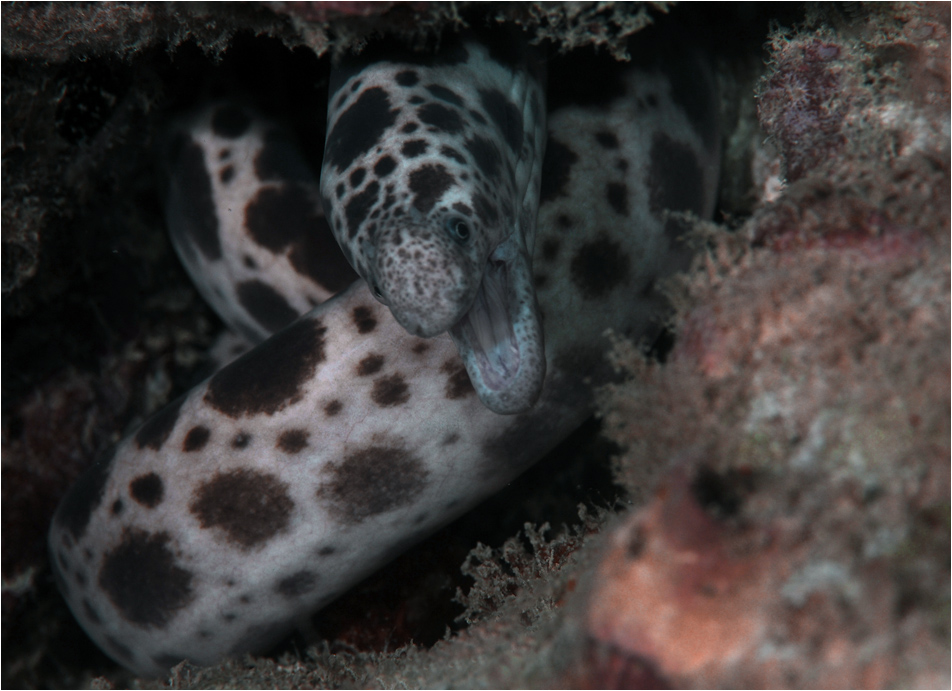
<point>342,439</point>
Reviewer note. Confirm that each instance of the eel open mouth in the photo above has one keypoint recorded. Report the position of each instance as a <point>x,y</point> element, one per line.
<point>500,338</point>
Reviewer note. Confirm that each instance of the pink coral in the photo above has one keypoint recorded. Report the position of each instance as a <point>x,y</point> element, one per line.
<point>681,589</point>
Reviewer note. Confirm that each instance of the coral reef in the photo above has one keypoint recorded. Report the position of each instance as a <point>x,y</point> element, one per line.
<point>800,532</point>
<point>787,466</point>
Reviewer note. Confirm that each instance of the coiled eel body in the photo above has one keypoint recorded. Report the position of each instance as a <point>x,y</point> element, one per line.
<point>325,451</point>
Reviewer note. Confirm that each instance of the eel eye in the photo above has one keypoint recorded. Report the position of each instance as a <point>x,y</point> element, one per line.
<point>377,294</point>
<point>458,229</point>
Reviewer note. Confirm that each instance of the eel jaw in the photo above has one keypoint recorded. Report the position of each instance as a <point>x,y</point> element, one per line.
<point>500,337</point>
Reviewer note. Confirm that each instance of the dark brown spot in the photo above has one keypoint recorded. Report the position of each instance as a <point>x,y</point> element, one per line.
<point>617,195</point>
<point>458,384</point>
<point>226,174</point>
<point>364,319</point>
<point>280,218</point>
<point>333,408</point>
<point>357,176</point>
<point>359,128</point>
<point>196,438</point>
<point>359,206</point>
<point>410,128</point>
<point>117,507</point>
<point>272,376</point>
<point>420,347</point>
<point>297,584</point>
<point>607,140</point>
<point>157,428</point>
<point>428,184</point>
<point>413,148</point>
<point>372,481</point>
<point>147,490</point>
<point>292,441</point>
<point>266,305</point>
<point>462,208</point>
<point>451,439</point>
<point>84,497</point>
<point>407,78</point>
<point>384,166</point>
<point>390,391</point>
<point>318,256</point>
<point>370,365</point>
<point>249,506</point>
<point>440,118</point>
<point>556,170</point>
<point>598,267</point>
<point>143,581</point>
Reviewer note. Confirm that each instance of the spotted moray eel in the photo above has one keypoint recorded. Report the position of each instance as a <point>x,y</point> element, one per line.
<point>318,456</point>
<point>430,182</point>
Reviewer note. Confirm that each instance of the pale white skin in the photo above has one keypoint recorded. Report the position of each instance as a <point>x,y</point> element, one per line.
<point>455,451</point>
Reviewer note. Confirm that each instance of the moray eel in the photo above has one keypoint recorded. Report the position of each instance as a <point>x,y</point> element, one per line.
<point>430,183</point>
<point>319,455</point>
